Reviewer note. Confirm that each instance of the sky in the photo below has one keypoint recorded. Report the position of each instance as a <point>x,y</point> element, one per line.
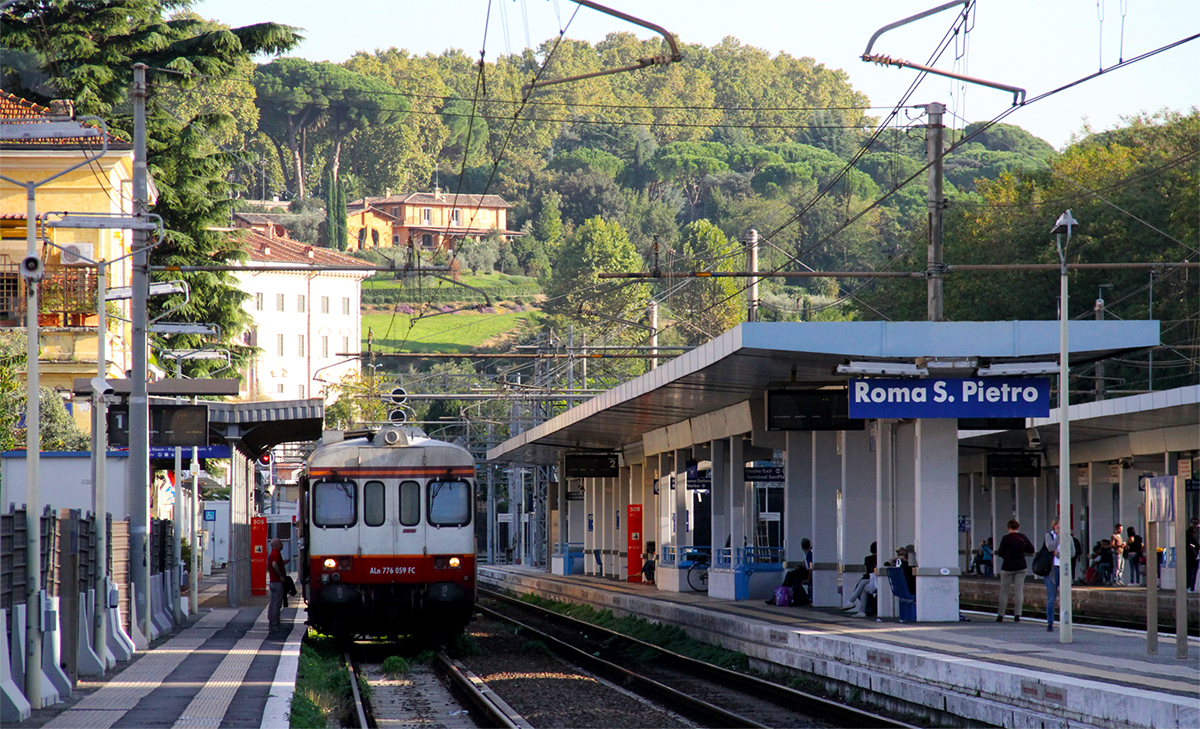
<point>1037,45</point>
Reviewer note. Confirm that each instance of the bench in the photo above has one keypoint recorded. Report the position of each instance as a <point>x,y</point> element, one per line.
<point>908,601</point>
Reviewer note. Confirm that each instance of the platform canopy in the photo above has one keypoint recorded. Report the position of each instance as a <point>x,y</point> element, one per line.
<point>742,363</point>
<point>256,427</point>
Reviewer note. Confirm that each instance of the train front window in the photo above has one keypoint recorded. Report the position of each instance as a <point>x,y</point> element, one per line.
<point>449,503</point>
<point>410,503</point>
<point>374,512</point>
<point>334,503</point>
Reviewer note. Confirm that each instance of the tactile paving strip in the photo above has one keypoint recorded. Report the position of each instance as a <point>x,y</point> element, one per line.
<point>209,706</point>
<point>105,707</point>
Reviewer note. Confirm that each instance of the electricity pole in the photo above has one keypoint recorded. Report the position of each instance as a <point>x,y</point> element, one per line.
<point>934,268</point>
<point>139,404</point>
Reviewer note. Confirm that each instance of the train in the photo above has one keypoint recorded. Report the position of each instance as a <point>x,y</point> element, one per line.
<point>386,540</point>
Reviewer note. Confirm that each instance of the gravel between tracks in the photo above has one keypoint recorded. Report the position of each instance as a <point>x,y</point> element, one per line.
<point>549,693</point>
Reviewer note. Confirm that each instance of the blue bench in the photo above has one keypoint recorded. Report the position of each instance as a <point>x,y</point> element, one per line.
<point>908,601</point>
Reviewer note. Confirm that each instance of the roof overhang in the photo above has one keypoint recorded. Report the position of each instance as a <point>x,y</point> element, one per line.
<point>255,427</point>
<point>741,364</point>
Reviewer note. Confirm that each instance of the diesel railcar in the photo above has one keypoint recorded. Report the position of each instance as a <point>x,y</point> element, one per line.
<point>387,545</point>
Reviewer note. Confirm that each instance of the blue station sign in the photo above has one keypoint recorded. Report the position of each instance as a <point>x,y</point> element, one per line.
<point>976,397</point>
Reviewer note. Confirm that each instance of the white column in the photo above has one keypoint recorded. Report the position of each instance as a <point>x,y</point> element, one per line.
<point>797,493</point>
<point>826,480</point>
<point>590,525</point>
<point>720,494</point>
<point>737,494</point>
<point>885,513</point>
<point>621,534</point>
<point>679,500</point>
<point>936,482</point>
<point>858,504</point>
<point>904,488</point>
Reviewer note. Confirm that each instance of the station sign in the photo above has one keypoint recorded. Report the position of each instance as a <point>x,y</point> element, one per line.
<point>764,474</point>
<point>203,452</point>
<point>976,397</point>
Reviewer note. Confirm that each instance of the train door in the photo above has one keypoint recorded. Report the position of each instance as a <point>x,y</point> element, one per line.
<point>410,517</point>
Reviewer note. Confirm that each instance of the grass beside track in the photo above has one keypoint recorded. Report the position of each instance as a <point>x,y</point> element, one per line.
<point>664,636</point>
<point>322,685</point>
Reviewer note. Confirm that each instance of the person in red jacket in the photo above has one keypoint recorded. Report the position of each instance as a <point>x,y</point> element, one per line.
<point>1012,550</point>
<point>276,569</point>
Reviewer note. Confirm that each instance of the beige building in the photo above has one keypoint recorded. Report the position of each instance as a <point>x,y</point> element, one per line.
<point>430,220</point>
<point>67,294</point>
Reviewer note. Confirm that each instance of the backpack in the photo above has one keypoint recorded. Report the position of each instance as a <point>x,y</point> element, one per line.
<point>783,596</point>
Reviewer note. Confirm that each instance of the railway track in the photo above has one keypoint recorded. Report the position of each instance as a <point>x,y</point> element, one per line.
<point>471,704</point>
<point>706,694</point>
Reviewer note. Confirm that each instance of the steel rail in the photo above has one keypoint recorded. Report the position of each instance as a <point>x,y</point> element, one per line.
<point>778,694</point>
<point>496,709</point>
<point>696,708</point>
<point>360,708</point>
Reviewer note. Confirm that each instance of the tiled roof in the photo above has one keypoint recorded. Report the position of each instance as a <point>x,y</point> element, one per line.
<point>358,208</point>
<point>260,218</point>
<point>429,198</point>
<point>14,107</point>
<point>266,249</point>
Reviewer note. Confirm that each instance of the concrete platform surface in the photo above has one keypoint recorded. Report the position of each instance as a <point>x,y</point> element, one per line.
<point>222,668</point>
<point>1005,674</point>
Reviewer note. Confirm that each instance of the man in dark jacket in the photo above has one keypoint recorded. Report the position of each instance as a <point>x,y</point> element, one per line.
<point>1012,550</point>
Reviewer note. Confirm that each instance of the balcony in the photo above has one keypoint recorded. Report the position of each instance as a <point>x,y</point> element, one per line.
<point>67,296</point>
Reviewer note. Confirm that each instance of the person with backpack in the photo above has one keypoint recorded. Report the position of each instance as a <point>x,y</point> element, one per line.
<point>1012,550</point>
<point>1051,541</point>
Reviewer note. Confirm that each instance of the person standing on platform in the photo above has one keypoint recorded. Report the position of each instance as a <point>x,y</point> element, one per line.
<point>1012,550</point>
<point>1118,549</point>
<point>276,570</point>
<point>989,559</point>
<point>1051,541</point>
<point>1134,554</point>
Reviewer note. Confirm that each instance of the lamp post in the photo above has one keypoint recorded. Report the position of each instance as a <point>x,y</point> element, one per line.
<point>1063,225</point>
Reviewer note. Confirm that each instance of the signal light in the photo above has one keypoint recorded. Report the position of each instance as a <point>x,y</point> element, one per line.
<point>265,459</point>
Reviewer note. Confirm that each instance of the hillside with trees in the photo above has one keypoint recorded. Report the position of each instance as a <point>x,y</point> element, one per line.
<point>664,168</point>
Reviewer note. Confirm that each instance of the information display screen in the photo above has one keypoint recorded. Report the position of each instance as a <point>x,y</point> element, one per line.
<point>591,465</point>
<point>810,410</point>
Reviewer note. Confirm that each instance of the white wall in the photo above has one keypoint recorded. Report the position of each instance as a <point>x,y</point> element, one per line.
<point>293,374</point>
<point>66,481</point>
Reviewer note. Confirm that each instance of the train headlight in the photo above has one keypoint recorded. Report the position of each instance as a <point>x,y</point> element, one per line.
<point>335,577</point>
<point>454,563</point>
<point>331,564</point>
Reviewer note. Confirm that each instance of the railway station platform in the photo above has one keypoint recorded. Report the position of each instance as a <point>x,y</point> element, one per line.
<point>1003,674</point>
<point>222,668</point>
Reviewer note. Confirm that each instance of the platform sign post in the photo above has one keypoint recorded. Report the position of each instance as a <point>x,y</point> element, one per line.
<point>258,555</point>
<point>633,546</point>
<point>1164,504</point>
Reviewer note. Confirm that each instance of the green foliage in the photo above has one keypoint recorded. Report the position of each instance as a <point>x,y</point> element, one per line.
<point>395,666</point>
<point>479,254</point>
<point>706,308</point>
<point>668,637</point>
<point>88,58</point>
<point>537,647</point>
<point>320,694</point>
<point>464,645</point>
<point>12,398</point>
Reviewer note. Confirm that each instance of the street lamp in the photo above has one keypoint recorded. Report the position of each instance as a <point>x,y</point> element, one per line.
<point>1063,225</point>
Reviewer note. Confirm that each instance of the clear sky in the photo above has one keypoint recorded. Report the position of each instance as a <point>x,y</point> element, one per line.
<point>1034,44</point>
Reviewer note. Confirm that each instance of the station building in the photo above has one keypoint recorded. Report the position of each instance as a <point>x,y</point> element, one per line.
<point>703,459</point>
